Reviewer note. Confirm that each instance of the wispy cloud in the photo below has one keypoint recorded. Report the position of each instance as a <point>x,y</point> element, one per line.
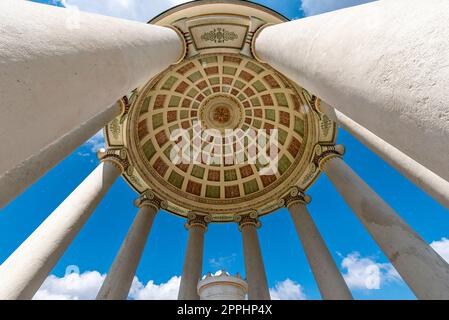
<point>313,7</point>
<point>223,262</point>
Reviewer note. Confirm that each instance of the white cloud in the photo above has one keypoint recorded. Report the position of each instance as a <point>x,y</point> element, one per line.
<point>312,7</point>
<point>287,290</point>
<point>85,286</point>
<point>139,10</point>
<point>96,142</point>
<point>442,248</point>
<point>72,286</point>
<point>150,291</point>
<point>365,273</point>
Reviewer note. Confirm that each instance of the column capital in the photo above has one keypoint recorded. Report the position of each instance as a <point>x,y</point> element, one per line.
<point>251,218</point>
<point>183,40</point>
<point>197,219</point>
<point>295,196</point>
<point>325,153</point>
<point>118,157</point>
<point>253,41</point>
<point>149,199</point>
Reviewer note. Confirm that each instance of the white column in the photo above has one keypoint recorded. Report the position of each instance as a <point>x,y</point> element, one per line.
<point>17,180</point>
<point>193,263</point>
<point>425,272</point>
<point>254,266</point>
<point>60,68</point>
<point>422,177</point>
<point>26,269</point>
<point>120,277</point>
<point>327,276</point>
<point>383,64</point>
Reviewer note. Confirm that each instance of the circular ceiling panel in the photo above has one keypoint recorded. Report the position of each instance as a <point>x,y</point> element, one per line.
<point>220,133</point>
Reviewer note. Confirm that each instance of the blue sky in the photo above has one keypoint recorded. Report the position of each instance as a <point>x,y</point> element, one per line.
<point>365,268</point>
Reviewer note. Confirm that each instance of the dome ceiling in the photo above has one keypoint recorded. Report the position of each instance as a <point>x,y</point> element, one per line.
<point>188,133</point>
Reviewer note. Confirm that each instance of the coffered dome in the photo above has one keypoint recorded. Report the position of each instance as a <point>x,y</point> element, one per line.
<point>220,132</point>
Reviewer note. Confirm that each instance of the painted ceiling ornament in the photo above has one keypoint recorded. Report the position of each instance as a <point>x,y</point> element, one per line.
<point>220,132</point>
<point>219,35</point>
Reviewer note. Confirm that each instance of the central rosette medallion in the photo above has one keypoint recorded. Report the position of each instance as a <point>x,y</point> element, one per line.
<point>221,112</point>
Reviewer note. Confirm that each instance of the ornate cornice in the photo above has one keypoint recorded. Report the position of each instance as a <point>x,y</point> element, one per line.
<point>118,157</point>
<point>327,153</point>
<point>248,219</point>
<point>295,196</point>
<point>149,199</point>
<point>195,219</point>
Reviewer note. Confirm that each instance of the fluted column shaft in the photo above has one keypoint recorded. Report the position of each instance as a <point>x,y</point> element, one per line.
<point>193,263</point>
<point>62,68</point>
<point>389,75</point>
<point>26,269</point>
<point>424,271</point>
<point>423,178</point>
<point>119,279</point>
<point>329,279</point>
<point>254,266</point>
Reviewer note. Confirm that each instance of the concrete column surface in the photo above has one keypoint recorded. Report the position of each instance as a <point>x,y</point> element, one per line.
<point>26,269</point>
<point>193,264</point>
<point>120,277</point>
<point>60,68</point>
<point>423,178</point>
<point>254,266</point>
<point>329,279</point>
<point>383,64</point>
<point>17,180</point>
<point>424,271</point>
